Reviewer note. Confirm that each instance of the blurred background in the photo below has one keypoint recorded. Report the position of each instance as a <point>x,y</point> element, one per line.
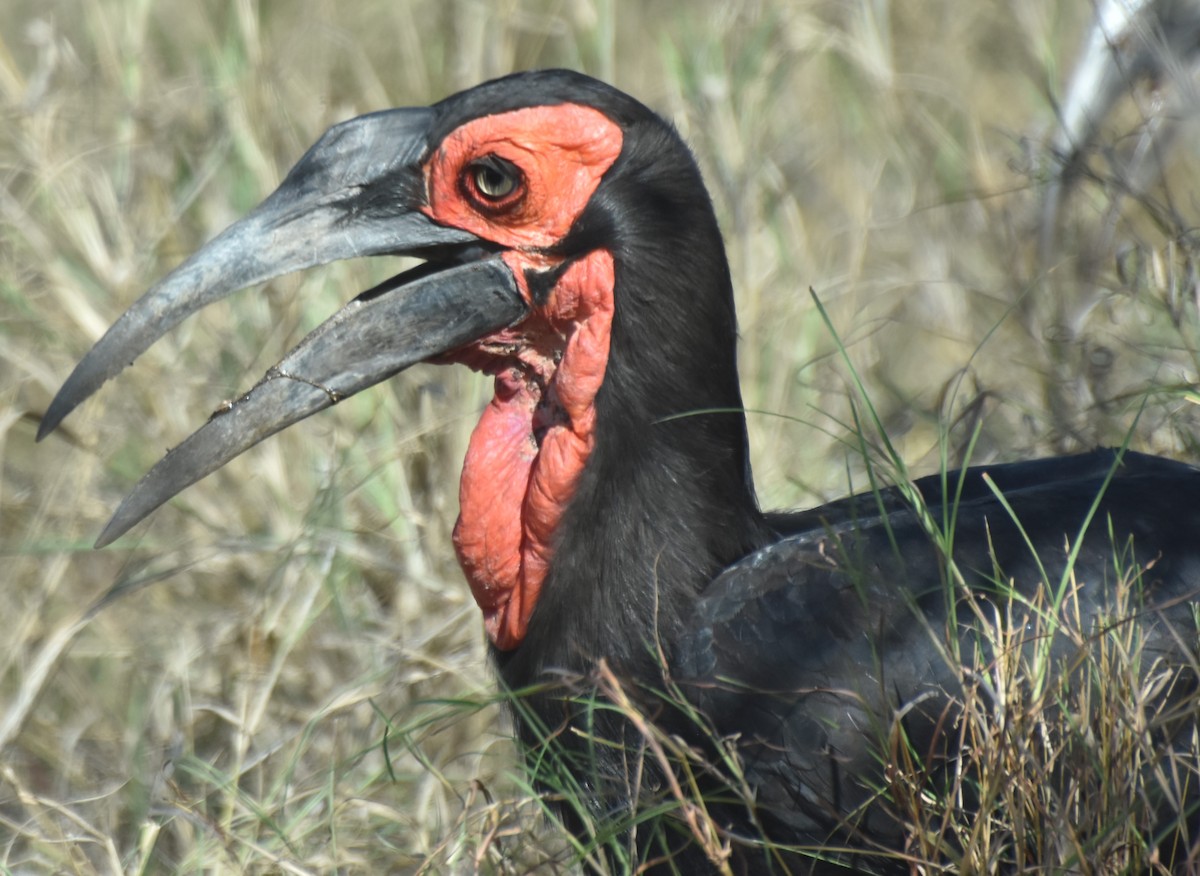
<point>282,671</point>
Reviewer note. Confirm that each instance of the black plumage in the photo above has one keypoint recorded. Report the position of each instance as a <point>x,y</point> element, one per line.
<point>800,641</point>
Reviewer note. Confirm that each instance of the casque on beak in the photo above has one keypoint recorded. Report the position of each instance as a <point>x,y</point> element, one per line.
<point>357,192</point>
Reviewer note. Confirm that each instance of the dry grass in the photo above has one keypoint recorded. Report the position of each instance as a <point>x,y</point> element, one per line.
<point>1075,764</point>
<point>304,688</point>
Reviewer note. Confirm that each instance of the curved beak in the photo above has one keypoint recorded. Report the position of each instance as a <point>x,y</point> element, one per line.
<point>357,192</point>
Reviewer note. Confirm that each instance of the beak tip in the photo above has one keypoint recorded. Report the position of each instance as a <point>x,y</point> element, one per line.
<point>114,529</point>
<point>81,383</point>
<point>53,416</point>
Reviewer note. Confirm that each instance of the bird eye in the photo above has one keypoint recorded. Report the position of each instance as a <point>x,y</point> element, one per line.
<point>494,178</point>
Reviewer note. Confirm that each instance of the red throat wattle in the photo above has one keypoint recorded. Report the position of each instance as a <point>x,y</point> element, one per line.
<point>531,444</point>
<point>534,438</point>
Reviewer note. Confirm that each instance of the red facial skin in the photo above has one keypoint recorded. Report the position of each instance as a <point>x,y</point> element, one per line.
<point>529,448</point>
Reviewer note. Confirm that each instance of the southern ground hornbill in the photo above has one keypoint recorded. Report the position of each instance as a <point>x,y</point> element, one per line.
<point>665,632</point>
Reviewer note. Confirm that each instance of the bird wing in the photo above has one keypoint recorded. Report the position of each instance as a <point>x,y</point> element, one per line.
<point>870,618</point>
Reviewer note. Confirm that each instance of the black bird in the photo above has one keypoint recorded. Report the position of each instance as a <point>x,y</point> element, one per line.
<point>652,618</point>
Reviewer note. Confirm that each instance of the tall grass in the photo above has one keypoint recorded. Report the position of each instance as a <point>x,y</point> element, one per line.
<point>282,670</point>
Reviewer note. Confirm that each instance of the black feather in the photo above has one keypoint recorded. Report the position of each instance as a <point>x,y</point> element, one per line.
<point>800,636</point>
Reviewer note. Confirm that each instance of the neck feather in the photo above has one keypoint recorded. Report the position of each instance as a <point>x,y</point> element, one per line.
<point>665,500</point>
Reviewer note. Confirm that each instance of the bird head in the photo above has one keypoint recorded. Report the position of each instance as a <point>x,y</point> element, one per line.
<point>525,196</point>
